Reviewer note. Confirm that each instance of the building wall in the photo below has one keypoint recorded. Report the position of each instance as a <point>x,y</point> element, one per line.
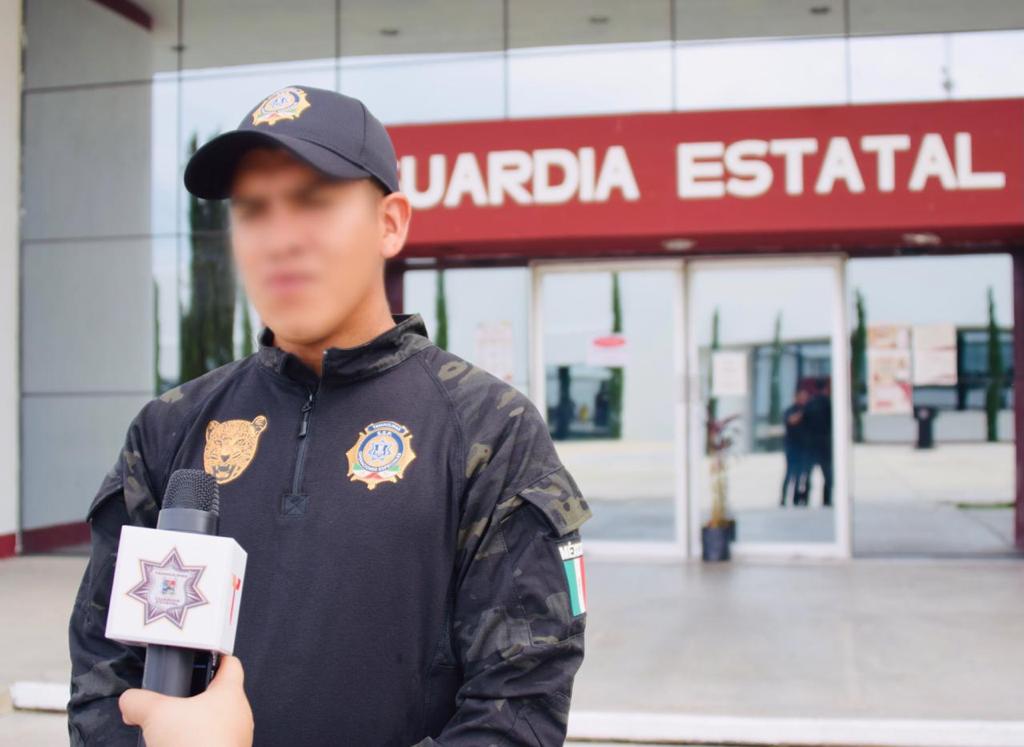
<point>110,107</point>
<point>87,310</point>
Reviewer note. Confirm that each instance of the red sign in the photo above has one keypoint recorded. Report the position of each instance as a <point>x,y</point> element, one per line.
<point>860,177</point>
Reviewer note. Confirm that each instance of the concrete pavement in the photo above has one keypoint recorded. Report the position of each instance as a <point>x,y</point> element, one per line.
<point>751,646</point>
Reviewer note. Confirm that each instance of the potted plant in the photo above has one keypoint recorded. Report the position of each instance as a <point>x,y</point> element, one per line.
<point>721,527</point>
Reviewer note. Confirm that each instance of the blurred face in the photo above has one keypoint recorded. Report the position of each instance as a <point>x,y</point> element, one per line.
<point>310,250</point>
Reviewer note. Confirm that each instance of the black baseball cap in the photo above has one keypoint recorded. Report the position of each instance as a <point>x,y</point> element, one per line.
<point>334,133</point>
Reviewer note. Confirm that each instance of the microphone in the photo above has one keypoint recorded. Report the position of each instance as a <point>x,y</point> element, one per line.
<point>177,588</point>
<point>191,504</point>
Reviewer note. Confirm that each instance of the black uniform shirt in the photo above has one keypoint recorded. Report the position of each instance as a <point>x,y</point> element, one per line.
<point>411,538</point>
<point>793,429</point>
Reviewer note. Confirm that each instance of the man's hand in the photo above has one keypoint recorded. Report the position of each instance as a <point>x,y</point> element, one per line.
<point>220,716</point>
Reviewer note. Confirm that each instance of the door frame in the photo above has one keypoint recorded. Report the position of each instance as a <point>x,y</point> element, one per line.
<point>630,550</point>
<point>842,543</point>
<point>689,408</point>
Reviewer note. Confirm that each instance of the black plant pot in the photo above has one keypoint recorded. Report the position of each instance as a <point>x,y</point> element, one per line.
<point>730,524</point>
<point>714,543</point>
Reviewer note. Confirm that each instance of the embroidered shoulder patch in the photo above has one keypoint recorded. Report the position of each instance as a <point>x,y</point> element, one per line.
<point>575,575</point>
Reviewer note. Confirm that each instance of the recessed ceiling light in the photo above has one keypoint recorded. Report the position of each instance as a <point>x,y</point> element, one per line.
<point>678,245</point>
<point>922,238</point>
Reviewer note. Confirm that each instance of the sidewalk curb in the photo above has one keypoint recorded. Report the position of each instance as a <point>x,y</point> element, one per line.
<point>833,732</point>
<point>40,696</point>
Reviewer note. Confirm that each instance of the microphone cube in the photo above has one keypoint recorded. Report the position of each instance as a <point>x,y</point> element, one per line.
<point>176,589</point>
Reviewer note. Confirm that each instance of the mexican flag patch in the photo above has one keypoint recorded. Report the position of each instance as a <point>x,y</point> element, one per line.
<point>575,576</point>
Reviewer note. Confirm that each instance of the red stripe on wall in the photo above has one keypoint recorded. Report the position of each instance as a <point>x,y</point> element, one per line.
<point>7,545</point>
<point>44,539</point>
<point>130,11</point>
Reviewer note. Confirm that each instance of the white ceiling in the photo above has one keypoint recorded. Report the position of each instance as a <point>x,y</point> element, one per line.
<point>232,32</point>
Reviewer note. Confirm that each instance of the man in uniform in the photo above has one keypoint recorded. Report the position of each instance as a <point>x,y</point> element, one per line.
<point>818,415</point>
<point>794,445</point>
<point>415,571</point>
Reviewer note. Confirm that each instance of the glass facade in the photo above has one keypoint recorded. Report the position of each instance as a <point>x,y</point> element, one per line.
<point>766,435</point>
<point>609,340</point>
<point>956,497</point>
<point>127,280</point>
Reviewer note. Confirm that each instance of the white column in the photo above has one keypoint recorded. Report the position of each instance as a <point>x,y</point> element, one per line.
<point>10,151</point>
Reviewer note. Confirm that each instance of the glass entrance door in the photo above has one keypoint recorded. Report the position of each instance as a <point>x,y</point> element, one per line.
<point>607,372</point>
<point>768,405</point>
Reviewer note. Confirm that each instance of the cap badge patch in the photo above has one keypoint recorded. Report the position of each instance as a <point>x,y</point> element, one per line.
<point>230,446</point>
<point>288,103</point>
<point>381,453</point>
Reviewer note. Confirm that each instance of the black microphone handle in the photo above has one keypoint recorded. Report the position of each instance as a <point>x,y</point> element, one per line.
<point>169,668</point>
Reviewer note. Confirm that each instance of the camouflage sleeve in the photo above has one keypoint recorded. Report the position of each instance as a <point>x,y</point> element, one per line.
<point>519,608</point>
<point>101,669</point>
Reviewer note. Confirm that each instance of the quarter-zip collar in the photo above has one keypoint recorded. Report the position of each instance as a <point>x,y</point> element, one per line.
<point>341,365</point>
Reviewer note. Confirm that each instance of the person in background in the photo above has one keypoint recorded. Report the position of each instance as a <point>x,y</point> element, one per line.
<point>818,418</point>
<point>602,402</point>
<point>795,446</point>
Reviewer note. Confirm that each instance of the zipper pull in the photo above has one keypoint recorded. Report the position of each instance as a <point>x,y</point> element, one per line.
<point>306,409</point>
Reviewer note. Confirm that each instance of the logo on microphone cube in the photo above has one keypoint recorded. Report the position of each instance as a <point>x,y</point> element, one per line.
<point>168,589</point>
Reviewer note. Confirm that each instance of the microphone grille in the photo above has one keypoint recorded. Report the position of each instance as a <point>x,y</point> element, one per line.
<point>192,488</point>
